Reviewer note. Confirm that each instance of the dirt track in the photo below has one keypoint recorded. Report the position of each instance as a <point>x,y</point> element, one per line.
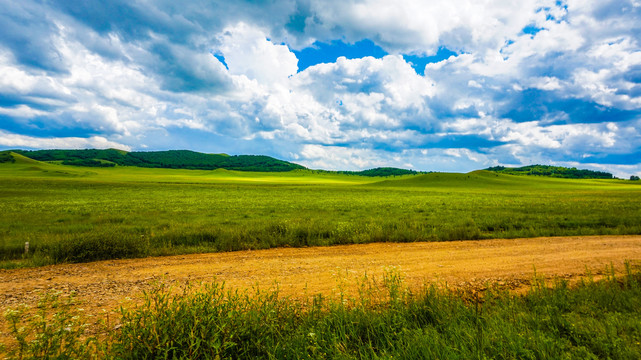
<point>307,271</point>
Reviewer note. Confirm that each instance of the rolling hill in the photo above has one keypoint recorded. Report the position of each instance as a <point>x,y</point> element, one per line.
<point>172,159</point>
<point>186,159</point>
<point>181,159</point>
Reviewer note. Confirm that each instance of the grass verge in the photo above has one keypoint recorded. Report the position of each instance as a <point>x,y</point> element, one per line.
<point>592,320</point>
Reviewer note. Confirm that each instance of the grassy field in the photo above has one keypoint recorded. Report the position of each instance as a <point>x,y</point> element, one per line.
<point>75,214</point>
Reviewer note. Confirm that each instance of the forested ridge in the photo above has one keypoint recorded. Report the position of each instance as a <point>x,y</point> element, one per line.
<point>172,159</point>
<point>552,171</point>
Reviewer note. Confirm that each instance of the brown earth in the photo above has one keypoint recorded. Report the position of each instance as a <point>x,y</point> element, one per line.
<point>302,272</point>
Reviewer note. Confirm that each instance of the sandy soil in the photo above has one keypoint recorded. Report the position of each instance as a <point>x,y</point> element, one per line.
<point>302,272</point>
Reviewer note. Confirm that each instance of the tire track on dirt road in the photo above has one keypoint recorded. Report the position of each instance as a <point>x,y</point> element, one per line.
<point>302,272</point>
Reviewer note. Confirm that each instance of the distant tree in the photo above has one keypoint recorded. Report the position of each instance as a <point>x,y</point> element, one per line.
<point>634,178</point>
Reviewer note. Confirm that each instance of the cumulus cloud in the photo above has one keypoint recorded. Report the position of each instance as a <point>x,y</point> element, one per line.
<point>344,158</point>
<point>21,141</point>
<point>420,27</point>
<point>248,52</point>
<point>535,81</point>
<point>367,95</point>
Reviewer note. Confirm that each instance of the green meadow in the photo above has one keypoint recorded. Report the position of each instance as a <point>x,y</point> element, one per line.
<point>77,214</point>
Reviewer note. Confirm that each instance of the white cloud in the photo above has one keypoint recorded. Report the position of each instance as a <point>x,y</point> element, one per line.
<point>338,158</point>
<point>536,136</point>
<point>605,81</point>
<point>620,171</point>
<point>248,52</point>
<point>368,99</point>
<point>95,93</point>
<point>420,26</point>
<point>38,86</point>
<point>342,158</point>
<point>21,141</point>
<point>374,93</point>
<point>22,111</point>
<point>546,83</point>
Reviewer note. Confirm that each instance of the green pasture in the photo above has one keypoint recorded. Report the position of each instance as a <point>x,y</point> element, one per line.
<point>74,214</point>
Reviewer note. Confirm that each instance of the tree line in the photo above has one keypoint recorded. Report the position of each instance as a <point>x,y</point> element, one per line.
<point>552,171</point>
<point>172,159</point>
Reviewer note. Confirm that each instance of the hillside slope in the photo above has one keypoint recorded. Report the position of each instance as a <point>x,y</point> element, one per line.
<point>17,165</point>
<point>484,179</point>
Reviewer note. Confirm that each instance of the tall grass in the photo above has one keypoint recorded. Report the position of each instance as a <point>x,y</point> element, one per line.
<point>386,319</point>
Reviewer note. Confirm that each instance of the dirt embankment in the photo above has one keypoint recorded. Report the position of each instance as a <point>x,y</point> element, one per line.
<point>306,271</point>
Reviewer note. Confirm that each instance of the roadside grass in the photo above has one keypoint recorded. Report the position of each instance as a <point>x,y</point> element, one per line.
<point>68,214</point>
<point>386,319</point>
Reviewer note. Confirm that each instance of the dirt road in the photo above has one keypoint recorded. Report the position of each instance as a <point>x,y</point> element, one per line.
<point>307,271</point>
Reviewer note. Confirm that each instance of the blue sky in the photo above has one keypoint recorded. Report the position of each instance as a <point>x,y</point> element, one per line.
<point>453,85</point>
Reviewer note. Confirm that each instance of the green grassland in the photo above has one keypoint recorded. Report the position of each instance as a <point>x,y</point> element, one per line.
<point>75,214</point>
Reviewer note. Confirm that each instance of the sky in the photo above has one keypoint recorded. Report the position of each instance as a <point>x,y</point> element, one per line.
<point>440,85</point>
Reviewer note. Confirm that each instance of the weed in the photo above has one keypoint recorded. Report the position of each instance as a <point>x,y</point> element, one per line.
<point>55,329</point>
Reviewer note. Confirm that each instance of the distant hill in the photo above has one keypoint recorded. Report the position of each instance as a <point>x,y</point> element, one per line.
<point>186,159</point>
<point>181,159</point>
<point>552,171</point>
<point>382,171</point>
<point>375,172</point>
<point>12,157</point>
<point>172,159</point>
